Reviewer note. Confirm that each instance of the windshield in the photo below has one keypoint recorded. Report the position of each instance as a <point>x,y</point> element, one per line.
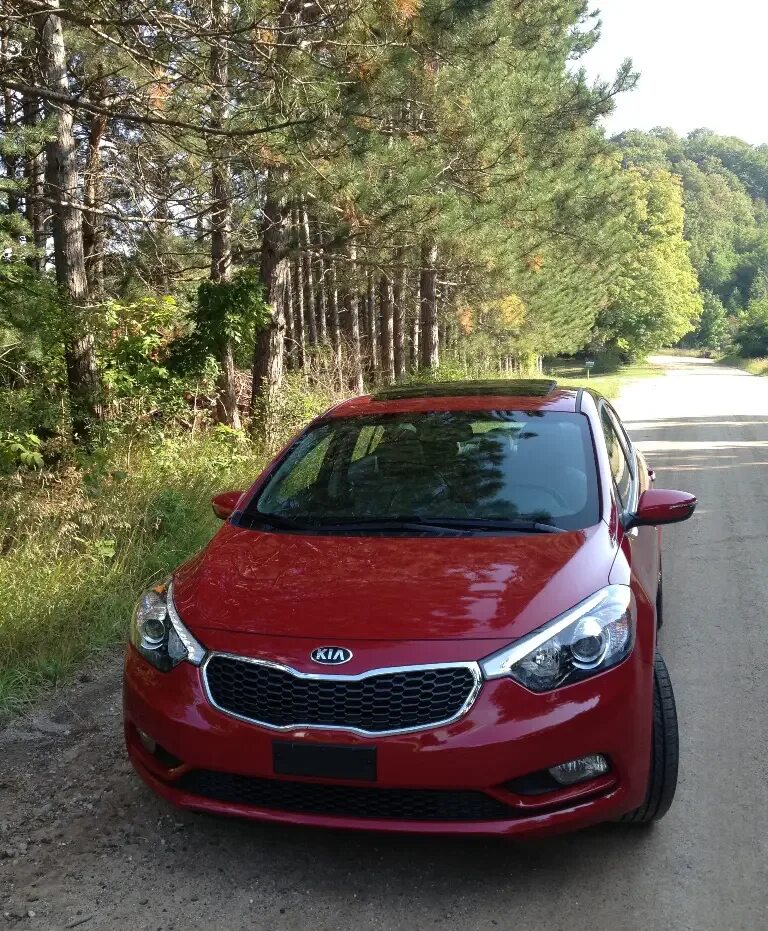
<point>461,467</point>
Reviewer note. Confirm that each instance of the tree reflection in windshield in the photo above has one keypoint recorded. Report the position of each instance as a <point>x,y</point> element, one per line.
<point>455,465</point>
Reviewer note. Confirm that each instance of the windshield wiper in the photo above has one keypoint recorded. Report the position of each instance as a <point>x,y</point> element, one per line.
<point>513,524</point>
<point>276,521</point>
<point>459,525</point>
<point>411,524</point>
<point>394,524</point>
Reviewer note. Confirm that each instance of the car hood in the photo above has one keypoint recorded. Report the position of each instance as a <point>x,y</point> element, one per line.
<point>389,587</point>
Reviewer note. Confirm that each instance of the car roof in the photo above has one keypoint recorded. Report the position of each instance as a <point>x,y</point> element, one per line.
<point>526,394</point>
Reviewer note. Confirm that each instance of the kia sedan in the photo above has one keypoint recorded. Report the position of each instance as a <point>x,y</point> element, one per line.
<point>435,611</point>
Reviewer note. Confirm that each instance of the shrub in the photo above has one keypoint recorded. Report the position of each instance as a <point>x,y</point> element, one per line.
<point>751,334</point>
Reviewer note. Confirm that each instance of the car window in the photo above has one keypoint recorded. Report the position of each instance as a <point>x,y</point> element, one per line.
<point>304,474</point>
<point>623,435</point>
<point>494,465</point>
<point>620,468</point>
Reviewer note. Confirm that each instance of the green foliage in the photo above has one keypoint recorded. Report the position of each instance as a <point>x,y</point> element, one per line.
<point>753,366</point>
<point>725,191</point>
<point>654,299</point>
<point>227,312</point>
<point>142,390</point>
<point>20,450</point>
<point>31,321</point>
<point>296,403</point>
<point>751,333</point>
<point>714,331</point>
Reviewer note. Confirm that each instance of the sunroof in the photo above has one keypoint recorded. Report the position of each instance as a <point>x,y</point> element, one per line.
<point>501,387</point>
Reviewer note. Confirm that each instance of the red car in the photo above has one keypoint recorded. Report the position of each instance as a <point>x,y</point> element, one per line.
<point>435,611</point>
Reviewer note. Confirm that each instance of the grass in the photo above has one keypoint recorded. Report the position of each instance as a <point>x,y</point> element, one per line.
<point>608,376</point>
<point>80,546</point>
<point>753,366</point>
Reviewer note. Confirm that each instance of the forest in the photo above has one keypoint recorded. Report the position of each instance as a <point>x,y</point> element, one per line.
<point>217,217</point>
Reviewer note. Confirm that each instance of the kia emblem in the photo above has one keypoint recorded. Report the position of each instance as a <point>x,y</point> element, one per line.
<point>331,656</point>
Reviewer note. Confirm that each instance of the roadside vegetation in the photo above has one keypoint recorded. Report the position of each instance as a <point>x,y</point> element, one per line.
<point>608,375</point>
<point>753,366</point>
<point>216,219</point>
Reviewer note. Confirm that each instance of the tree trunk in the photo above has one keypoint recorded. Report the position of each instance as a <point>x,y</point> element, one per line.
<point>386,304</point>
<point>291,360</point>
<point>11,160</point>
<point>93,224</point>
<point>305,242</point>
<point>416,330</point>
<point>352,309</point>
<point>398,320</point>
<point>270,339</point>
<point>300,314</point>
<point>34,176</point>
<point>373,326</point>
<point>221,211</point>
<point>333,295</point>
<point>322,300</point>
<point>93,195</point>
<point>430,346</point>
<point>62,184</point>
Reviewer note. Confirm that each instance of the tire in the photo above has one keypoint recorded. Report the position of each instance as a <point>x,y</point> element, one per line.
<point>660,600</point>
<point>665,751</point>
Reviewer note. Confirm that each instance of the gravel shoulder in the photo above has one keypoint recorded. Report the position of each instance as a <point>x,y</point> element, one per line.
<point>84,845</point>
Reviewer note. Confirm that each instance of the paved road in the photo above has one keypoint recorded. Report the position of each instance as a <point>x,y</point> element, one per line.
<point>84,845</point>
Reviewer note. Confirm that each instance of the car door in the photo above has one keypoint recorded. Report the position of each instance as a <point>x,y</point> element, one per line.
<point>630,479</point>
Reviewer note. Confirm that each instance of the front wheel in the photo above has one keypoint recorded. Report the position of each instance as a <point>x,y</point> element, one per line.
<point>665,751</point>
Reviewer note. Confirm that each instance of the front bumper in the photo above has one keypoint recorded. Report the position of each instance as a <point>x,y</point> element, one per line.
<point>508,733</point>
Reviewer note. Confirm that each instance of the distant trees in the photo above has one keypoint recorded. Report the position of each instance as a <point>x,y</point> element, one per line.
<point>654,299</point>
<point>725,201</point>
<point>751,331</point>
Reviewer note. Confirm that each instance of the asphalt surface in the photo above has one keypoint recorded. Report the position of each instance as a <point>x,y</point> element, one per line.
<point>83,844</point>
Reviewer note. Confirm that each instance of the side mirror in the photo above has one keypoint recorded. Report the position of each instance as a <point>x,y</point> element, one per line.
<point>661,506</point>
<point>225,503</point>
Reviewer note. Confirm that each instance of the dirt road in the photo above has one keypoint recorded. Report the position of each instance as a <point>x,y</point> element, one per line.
<point>83,844</point>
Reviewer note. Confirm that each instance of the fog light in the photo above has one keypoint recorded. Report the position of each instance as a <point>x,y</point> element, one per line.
<point>146,741</point>
<point>586,767</point>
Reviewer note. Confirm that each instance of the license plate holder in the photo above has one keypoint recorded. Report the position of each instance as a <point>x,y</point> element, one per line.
<point>324,761</point>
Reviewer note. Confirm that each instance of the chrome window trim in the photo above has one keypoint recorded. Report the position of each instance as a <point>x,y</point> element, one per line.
<point>473,667</point>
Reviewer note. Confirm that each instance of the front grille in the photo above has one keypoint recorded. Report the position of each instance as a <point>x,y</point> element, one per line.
<point>345,801</point>
<point>398,700</point>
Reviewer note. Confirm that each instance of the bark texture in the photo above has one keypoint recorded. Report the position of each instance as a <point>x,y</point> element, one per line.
<point>221,212</point>
<point>430,337</point>
<point>352,314</point>
<point>34,177</point>
<point>387,308</point>
<point>269,345</point>
<point>62,185</point>
<point>398,316</point>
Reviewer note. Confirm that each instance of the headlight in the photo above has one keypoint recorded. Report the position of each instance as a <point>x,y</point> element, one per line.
<point>588,639</point>
<point>158,633</point>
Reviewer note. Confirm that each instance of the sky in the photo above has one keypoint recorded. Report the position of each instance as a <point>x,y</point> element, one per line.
<point>701,64</point>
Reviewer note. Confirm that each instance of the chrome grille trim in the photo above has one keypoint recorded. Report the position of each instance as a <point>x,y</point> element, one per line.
<point>472,667</point>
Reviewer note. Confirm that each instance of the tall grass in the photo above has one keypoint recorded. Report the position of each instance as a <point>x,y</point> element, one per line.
<point>80,542</point>
<point>80,545</point>
<point>753,366</point>
<point>608,377</point>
